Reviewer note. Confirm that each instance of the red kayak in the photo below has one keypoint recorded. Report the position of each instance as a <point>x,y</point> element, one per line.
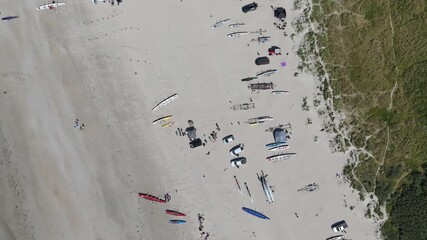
<point>175,213</point>
<point>151,197</point>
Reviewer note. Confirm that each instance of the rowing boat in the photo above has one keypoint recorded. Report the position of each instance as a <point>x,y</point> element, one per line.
<point>255,213</point>
<point>175,213</point>
<point>236,25</point>
<point>220,23</point>
<point>165,101</point>
<point>236,34</point>
<point>162,119</point>
<point>248,79</point>
<point>280,147</point>
<point>50,6</point>
<point>278,157</point>
<point>275,144</point>
<point>267,73</point>
<point>151,197</point>
<point>177,221</point>
<point>279,92</point>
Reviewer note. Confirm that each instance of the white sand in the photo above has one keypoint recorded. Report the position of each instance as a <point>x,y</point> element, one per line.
<point>80,62</point>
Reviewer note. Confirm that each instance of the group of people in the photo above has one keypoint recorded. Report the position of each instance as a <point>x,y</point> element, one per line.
<point>167,197</point>
<point>79,125</point>
<point>203,234</point>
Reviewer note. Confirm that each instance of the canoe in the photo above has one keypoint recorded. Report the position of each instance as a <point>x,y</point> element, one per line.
<point>276,144</point>
<point>151,197</point>
<point>255,213</point>
<point>220,23</point>
<point>165,101</point>
<point>279,92</point>
<point>162,119</point>
<point>175,213</point>
<point>278,157</point>
<point>236,34</point>
<point>50,6</point>
<point>277,148</point>
<point>177,221</point>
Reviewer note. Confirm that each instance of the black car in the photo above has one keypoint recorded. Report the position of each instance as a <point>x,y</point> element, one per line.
<point>196,143</point>
<point>262,61</point>
<point>250,7</point>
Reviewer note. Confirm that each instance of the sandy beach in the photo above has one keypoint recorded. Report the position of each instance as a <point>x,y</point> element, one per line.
<point>108,66</point>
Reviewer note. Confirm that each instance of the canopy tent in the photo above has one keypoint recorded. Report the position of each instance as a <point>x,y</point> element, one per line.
<point>279,135</point>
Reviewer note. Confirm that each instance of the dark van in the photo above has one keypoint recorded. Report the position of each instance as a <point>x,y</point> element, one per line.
<point>262,61</point>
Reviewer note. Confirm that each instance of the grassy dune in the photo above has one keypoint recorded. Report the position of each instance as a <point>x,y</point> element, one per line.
<point>375,52</point>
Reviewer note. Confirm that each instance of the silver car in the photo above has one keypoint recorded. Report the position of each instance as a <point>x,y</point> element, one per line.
<point>236,150</point>
<point>228,139</point>
<point>236,162</point>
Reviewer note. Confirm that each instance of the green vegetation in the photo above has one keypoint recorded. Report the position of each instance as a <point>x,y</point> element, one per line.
<point>408,209</point>
<point>304,105</point>
<point>370,57</point>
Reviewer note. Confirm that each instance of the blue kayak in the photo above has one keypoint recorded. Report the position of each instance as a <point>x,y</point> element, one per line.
<point>176,221</point>
<point>255,213</point>
<point>9,18</point>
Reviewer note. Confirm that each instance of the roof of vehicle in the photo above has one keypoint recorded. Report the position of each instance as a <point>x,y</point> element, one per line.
<point>228,136</point>
<point>239,159</point>
<point>249,6</point>
<point>196,142</point>
<point>340,224</point>
<point>262,61</point>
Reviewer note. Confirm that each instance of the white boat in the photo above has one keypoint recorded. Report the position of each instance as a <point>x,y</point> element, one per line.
<point>278,157</point>
<point>165,101</point>
<point>276,144</point>
<point>267,73</point>
<point>162,119</point>
<point>50,6</point>
<point>279,92</point>
<point>281,147</point>
<point>255,121</point>
<point>220,23</point>
<point>237,25</point>
<point>236,34</point>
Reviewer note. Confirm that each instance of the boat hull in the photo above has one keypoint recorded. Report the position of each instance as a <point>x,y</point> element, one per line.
<point>175,213</point>
<point>255,213</point>
<point>276,144</point>
<point>176,221</point>
<point>151,198</point>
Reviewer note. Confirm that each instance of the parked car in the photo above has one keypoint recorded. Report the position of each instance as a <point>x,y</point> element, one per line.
<point>228,139</point>
<point>236,162</point>
<point>339,226</point>
<point>250,7</point>
<point>262,61</point>
<point>236,150</point>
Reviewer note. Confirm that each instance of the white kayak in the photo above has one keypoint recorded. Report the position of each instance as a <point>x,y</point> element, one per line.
<point>50,6</point>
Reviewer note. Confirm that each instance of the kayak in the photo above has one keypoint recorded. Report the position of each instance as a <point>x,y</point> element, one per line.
<point>162,119</point>
<point>175,213</point>
<point>151,197</point>
<point>176,221</point>
<point>255,213</point>
<point>276,144</point>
